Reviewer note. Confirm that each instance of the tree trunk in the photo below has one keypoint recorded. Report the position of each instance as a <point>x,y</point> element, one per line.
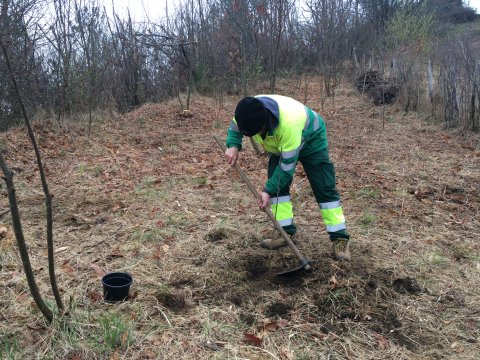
<point>22,247</point>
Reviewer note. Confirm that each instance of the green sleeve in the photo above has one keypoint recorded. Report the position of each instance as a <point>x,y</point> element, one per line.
<point>234,137</point>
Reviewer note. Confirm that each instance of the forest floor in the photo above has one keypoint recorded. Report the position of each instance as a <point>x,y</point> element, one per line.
<point>149,193</point>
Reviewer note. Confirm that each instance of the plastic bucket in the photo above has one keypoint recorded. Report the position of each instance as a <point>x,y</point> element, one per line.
<point>116,286</point>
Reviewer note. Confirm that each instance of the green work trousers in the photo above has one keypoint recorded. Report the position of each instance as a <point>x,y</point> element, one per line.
<point>321,175</point>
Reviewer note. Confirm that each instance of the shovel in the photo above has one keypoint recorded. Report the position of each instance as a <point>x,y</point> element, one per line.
<point>304,264</point>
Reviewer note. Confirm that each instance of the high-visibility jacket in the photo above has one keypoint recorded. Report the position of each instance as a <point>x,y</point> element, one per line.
<point>297,125</point>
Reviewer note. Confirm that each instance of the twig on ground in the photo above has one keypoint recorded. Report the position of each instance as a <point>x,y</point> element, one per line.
<point>165,316</point>
<point>4,212</point>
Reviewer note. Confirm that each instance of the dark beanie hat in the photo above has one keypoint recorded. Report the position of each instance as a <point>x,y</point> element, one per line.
<point>250,115</point>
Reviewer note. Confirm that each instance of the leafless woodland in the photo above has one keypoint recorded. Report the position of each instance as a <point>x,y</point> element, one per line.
<point>71,60</point>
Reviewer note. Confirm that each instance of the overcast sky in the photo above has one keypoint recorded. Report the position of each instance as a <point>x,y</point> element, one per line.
<point>475,4</point>
<point>155,9</point>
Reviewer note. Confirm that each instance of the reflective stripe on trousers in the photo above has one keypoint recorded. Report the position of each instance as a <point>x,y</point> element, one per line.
<point>332,215</point>
<point>282,209</point>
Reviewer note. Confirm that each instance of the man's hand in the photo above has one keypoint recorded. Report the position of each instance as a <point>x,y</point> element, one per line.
<point>264,201</point>
<point>232,155</point>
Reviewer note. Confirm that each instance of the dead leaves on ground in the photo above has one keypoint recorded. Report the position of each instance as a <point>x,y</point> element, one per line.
<point>264,330</point>
<point>382,342</point>
<point>250,338</point>
<point>99,272</point>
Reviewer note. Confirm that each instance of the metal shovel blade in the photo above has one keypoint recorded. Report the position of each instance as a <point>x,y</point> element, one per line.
<point>303,268</point>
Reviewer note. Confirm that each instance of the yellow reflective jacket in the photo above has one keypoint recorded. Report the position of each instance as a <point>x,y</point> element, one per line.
<point>297,126</point>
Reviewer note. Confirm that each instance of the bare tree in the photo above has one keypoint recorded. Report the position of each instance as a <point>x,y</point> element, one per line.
<point>61,38</point>
<point>328,31</point>
<point>276,15</point>
<point>12,199</point>
<point>459,87</point>
<point>87,15</point>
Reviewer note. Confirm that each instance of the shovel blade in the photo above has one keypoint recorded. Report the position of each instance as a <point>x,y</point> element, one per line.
<point>302,269</point>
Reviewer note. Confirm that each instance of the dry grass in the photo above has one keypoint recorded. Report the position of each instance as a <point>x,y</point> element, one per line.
<point>149,193</point>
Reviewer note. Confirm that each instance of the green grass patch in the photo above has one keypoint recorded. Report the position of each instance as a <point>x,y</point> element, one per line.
<point>147,235</point>
<point>148,188</point>
<point>402,193</point>
<point>460,251</point>
<point>384,167</point>
<point>95,170</point>
<point>367,218</point>
<point>116,333</point>
<point>216,328</point>
<point>438,260</point>
<point>202,180</point>
<point>9,349</point>
<point>171,148</point>
<point>3,143</point>
<point>176,219</point>
<point>367,193</point>
<point>390,119</point>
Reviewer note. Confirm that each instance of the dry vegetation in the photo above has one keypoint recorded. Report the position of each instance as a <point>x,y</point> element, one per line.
<point>150,193</point>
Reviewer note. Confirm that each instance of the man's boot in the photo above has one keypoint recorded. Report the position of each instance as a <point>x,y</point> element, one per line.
<point>273,243</point>
<point>341,249</point>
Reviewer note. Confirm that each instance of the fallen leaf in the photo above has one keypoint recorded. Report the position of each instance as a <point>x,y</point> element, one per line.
<point>124,338</point>
<point>157,254</point>
<point>272,326</point>
<point>120,204</point>
<point>282,323</point>
<point>67,267</point>
<point>253,339</point>
<point>382,342</point>
<point>115,355</point>
<point>333,281</point>
<point>22,297</point>
<point>286,354</point>
<point>98,270</point>
<point>133,295</point>
<point>94,295</point>
<point>165,248</point>
<point>160,224</point>
<point>58,249</point>
<point>146,354</point>
<point>472,325</point>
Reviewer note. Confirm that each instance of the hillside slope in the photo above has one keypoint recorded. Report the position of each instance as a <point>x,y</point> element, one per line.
<point>150,193</point>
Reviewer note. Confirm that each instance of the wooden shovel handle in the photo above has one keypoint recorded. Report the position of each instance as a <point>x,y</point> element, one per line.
<point>267,209</point>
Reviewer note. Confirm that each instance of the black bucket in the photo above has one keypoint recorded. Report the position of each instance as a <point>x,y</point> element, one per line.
<point>116,286</point>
